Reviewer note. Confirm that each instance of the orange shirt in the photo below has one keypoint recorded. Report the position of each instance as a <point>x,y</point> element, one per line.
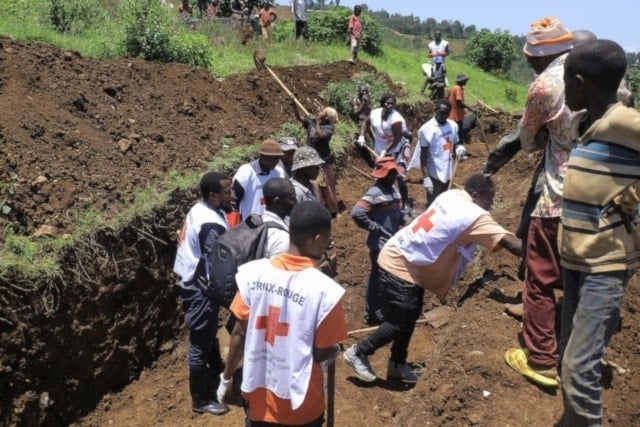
<point>457,110</point>
<point>266,406</point>
<point>266,17</point>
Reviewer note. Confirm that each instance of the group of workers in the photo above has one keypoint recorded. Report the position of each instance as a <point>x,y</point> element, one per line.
<point>579,235</point>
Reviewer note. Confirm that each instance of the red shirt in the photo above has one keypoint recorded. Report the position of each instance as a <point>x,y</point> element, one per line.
<point>355,27</point>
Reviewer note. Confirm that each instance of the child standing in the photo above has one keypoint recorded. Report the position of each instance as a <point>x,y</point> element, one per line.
<point>355,32</point>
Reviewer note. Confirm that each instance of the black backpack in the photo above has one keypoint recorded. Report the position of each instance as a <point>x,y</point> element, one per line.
<point>244,243</point>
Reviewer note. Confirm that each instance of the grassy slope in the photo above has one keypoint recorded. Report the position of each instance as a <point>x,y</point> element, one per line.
<point>399,59</point>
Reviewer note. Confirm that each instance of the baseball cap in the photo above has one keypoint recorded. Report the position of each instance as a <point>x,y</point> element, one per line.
<point>547,37</point>
<point>270,147</point>
<point>305,157</point>
<point>383,168</point>
<point>288,143</point>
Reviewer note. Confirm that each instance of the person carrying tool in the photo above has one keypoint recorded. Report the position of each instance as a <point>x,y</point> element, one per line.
<point>291,319</point>
<point>360,110</point>
<point>428,254</point>
<point>456,98</point>
<point>378,211</point>
<point>320,129</point>
<point>436,73</point>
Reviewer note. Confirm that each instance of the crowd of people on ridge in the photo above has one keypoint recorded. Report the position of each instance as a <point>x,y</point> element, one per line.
<point>577,233</point>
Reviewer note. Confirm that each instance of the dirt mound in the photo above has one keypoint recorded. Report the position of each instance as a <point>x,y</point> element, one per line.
<point>78,133</point>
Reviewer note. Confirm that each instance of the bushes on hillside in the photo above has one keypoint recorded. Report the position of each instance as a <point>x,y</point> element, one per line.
<point>75,16</point>
<point>150,31</point>
<point>340,95</point>
<point>328,26</point>
<point>491,51</point>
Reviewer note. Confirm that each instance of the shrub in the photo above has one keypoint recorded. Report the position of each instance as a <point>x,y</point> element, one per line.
<point>75,16</point>
<point>492,52</point>
<point>190,48</point>
<point>152,33</point>
<point>340,95</point>
<point>328,26</point>
<point>147,29</point>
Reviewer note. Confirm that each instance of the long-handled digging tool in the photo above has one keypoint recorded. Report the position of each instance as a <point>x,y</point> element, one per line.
<point>331,393</point>
<point>484,137</point>
<point>259,59</point>
<point>453,174</point>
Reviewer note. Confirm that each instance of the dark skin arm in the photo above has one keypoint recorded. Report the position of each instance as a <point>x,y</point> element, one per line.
<point>512,244</point>
<point>236,348</point>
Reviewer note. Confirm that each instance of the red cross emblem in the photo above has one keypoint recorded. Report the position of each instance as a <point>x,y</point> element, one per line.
<point>272,325</point>
<point>447,146</point>
<point>424,222</point>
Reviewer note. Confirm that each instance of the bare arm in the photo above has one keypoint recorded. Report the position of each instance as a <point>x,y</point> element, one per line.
<point>512,244</point>
<point>236,348</point>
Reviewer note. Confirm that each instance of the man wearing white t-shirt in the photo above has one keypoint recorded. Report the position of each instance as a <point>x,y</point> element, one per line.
<point>438,147</point>
<point>251,177</point>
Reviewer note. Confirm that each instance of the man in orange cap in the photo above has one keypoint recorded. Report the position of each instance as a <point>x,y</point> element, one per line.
<point>379,212</point>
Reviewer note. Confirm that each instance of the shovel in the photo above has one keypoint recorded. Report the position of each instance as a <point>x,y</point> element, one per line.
<point>259,59</point>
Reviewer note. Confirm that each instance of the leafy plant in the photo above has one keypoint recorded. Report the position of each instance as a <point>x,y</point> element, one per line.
<point>492,51</point>
<point>341,95</point>
<point>328,26</point>
<point>75,16</point>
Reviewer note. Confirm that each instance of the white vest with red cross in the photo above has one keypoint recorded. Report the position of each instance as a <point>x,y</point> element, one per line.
<point>285,310</point>
<point>428,235</point>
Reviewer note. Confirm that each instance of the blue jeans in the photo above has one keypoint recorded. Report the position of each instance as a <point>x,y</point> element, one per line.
<point>590,315</point>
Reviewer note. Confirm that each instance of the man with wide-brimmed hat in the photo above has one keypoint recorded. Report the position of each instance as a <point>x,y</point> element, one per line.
<point>456,98</point>
<point>546,125</point>
<point>306,167</point>
<point>250,177</point>
<point>289,145</point>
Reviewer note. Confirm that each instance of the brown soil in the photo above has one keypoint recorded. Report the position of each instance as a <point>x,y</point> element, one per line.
<point>78,133</point>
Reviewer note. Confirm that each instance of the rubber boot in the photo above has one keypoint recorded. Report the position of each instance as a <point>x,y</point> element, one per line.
<point>199,380</point>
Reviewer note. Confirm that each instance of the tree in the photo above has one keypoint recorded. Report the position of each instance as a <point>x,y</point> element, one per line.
<point>492,51</point>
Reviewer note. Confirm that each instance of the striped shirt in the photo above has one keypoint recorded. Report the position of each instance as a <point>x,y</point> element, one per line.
<point>601,188</point>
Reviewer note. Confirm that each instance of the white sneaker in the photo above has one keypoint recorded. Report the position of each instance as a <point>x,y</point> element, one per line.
<point>402,372</point>
<point>360,364</point>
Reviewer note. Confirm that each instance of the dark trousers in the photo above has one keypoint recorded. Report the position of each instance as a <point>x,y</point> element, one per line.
<point>402,305</point>
<point>439,187</point>
<point>539,302</point>
<point>201,317</point>
<point>373,311</point>
<point>301,29</point>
